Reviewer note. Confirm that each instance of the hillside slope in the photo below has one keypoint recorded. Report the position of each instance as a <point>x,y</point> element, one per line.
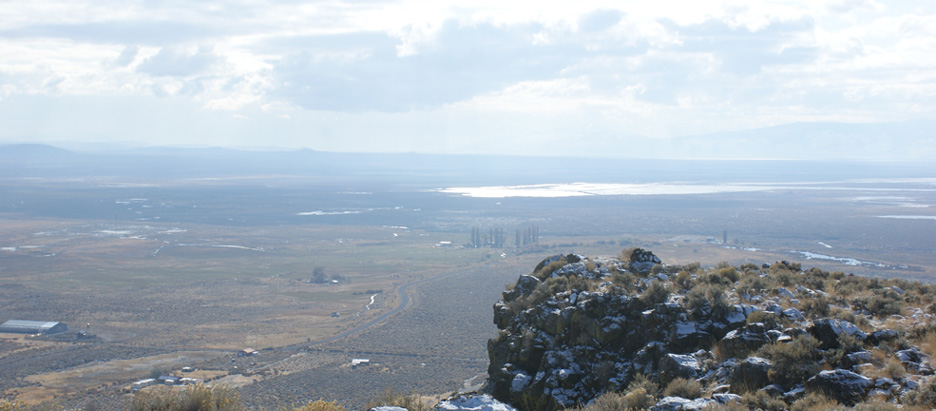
<point>645,335</point>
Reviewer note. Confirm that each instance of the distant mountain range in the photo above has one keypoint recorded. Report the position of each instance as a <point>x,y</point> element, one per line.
<point>797,152</point>
<point>902,141</point>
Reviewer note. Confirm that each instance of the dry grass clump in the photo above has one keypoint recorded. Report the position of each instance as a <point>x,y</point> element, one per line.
<point>609,401</point>
<point>769,319</point>
<point>816,402</point>
<point>657,293</point>
<point>194,398</point>
<point>793,362</point>
<point>884,366</point>
<point>762,401</point>
<point>321,405</point>
<point>923,396</point>
<point>389,397</point>
<point>642,382</point>
<point>640,395</point>
<point>681,387</point>
<point>6,405</point>
<point>926,340</point>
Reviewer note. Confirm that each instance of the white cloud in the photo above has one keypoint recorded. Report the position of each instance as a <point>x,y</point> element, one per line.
<point>436,74</point>
<point>177,62</point>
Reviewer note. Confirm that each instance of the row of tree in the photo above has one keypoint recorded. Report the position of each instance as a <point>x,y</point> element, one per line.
<point>496,237</point>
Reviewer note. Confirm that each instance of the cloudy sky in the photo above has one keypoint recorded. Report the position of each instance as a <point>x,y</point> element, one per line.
<point>610,78</point>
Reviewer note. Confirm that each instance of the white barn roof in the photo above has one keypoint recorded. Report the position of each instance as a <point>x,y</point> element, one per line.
<point>27,326</point>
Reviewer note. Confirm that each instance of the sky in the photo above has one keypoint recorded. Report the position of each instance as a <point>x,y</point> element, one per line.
<point>594,78</point>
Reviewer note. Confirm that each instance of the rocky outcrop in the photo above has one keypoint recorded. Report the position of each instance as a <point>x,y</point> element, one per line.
<point>751,374</point>
<point>581,327</point>
<point>472,403</point>
<point>845,386</point>
<point>828,331</point>
<point>642,261</point>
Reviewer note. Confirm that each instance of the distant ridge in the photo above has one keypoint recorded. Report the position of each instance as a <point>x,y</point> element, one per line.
<point>32,149</point>
<point>898,141</point>
<point>437,170</point>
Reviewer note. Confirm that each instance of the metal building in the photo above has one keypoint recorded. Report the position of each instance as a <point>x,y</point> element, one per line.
<point>32,327</point>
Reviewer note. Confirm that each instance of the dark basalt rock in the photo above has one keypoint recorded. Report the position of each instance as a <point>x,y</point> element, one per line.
<point>884,335</point>
<point>747,339</point>
<point>593,334</point>
<point>828,330</point>
<point>750,375</point>
<point>642,261</point>
<point>842,385</point>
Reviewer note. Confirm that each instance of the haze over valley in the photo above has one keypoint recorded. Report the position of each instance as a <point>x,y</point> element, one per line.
<point>317,259</point>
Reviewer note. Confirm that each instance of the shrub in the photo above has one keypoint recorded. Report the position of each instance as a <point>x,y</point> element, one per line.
<point>847,344</point>
<point>816,402</point>
<point>6,405</point>
<point>784,277</point>
<point>321,405</point>
<point>753,283</point>
<point>534,402</point>
<point>770,320</point>
<point>195,398</point>
<point>850,285</point>
<point>922,396</point>
<point>389,397</point>
<point>817,306</point>
<point>683,280</point>
<point>730,406</point>
<point>876,405</point>
<point>638,399</point>
<point>609,401</point>
<point>729,274</point>
<point>815,279</point>
<point>656,293</point>
<point>713,278</point>
<point>793,362</point>
<point>626,254</point>
<point>760,400</point>
<point>707,300</point>
<point>691,268</point>
<point>681,387</point>
<point>641,381</point>
<point>882,304</point>
<point>894,369</point>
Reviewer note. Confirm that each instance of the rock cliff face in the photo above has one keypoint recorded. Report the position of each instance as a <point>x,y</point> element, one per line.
<point>579,327</point>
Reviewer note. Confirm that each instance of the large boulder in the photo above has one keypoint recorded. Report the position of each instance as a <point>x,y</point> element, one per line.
<point>682,404</point>
<point>472,403</point>
<point>744,340</point>
<point>526,284</point>
<point>642,261</point>
<point>884,335</point>
<point>670,404</point>
<point>828,331</point>
<point>844,386</point>
<point>678,365</point>
<point>688,334</point>
<point>750,375</point>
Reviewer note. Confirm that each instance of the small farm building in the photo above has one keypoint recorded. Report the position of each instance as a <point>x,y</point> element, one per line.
<point>142,384</point>
<point>32,327</point>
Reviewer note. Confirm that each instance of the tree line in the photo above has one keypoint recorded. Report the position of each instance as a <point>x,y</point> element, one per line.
<point>496,237</point>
